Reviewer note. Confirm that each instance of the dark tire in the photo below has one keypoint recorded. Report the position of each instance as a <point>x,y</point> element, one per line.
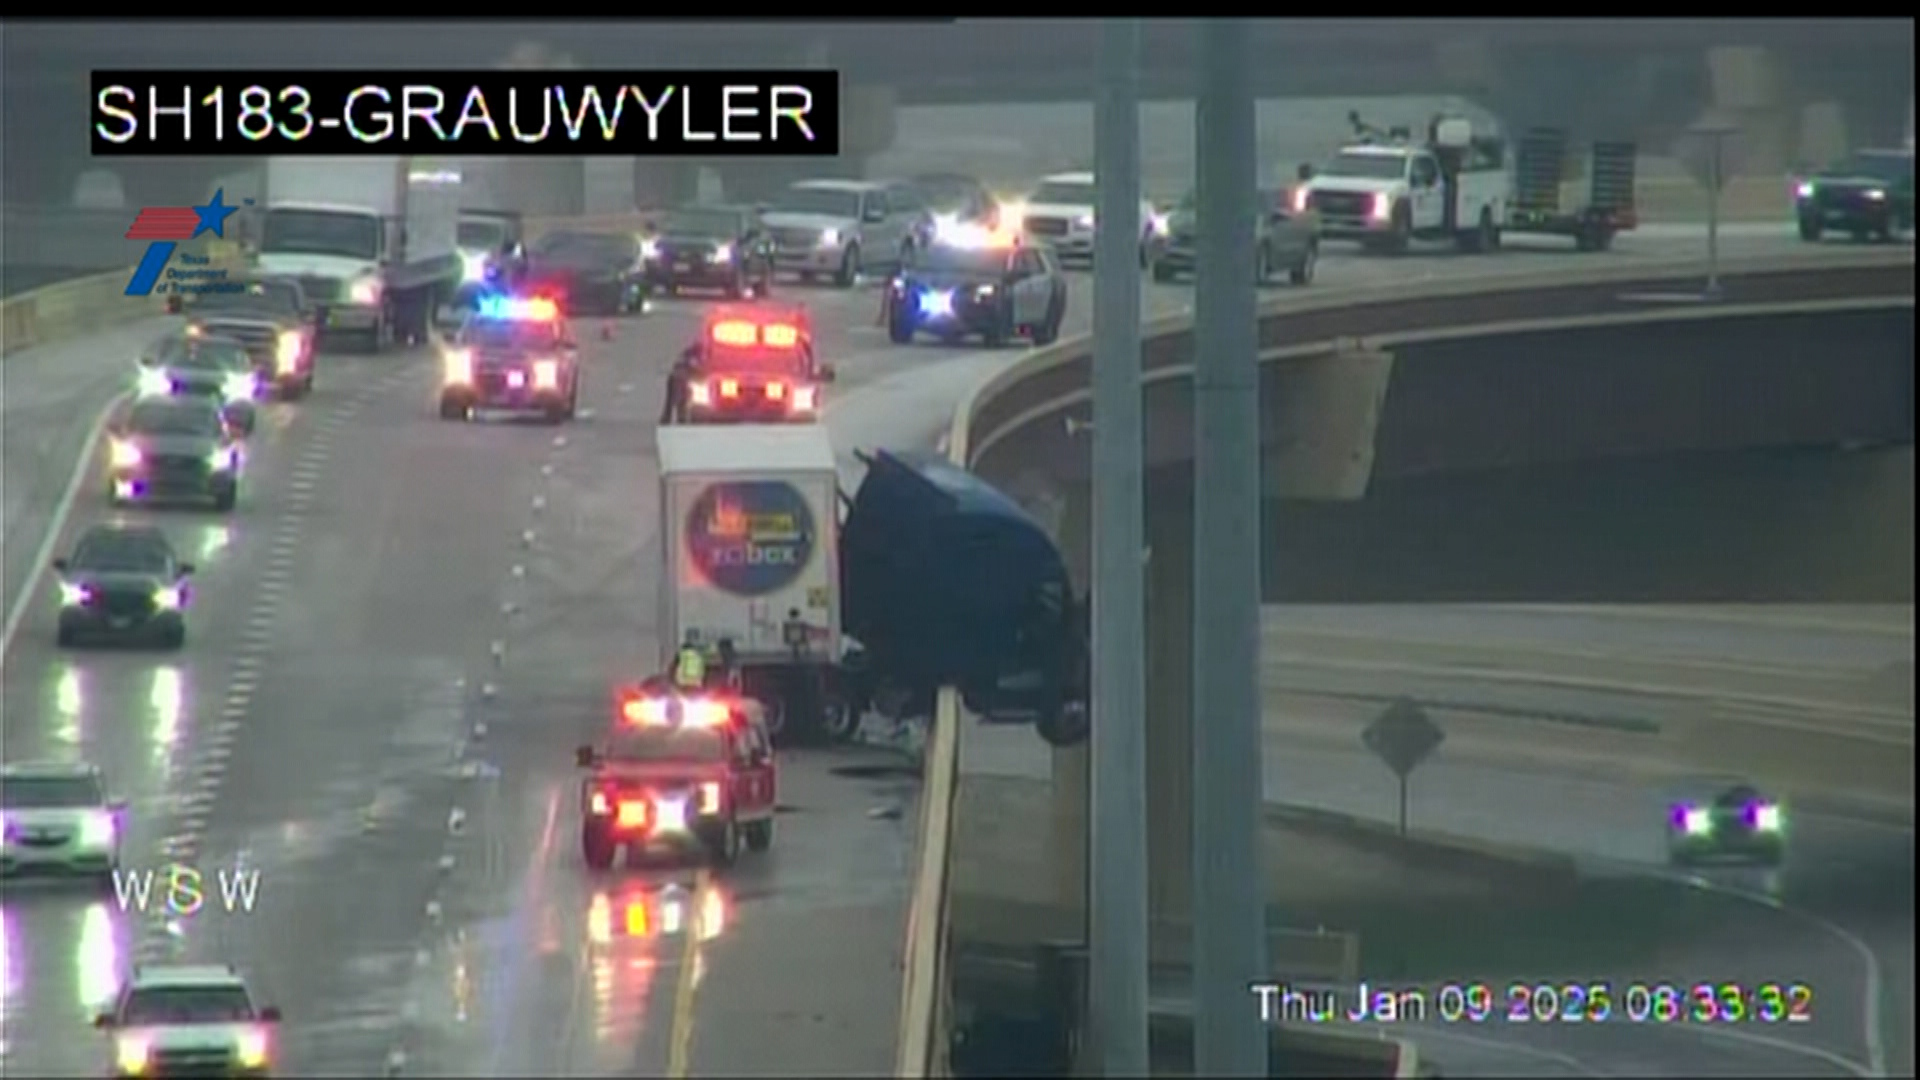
<point>1064,724</point>
<point>759,835</point>
<point>1302,271</point>
<point>723,847</point>
<point>174,639</point>
<point>597,849</point>
<point>64,638</point>
<point>1163,273</point>
<point>997,334</point>
<point>1402,236</point>
<point>899,327</point>
<point>1048,331</point>
<point>849,273</point>
<point>452,408</point>
<point>1262,264</point>
<point>1810,230</point>
<point>737,288</point>
<point>1484,235</point>
<point>557,414</point>
<point>227,500</point>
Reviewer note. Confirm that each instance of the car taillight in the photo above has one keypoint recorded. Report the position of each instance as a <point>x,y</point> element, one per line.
<point>710,797</point>
<point>803,398</point>
<point>729,388</point>
<point>632,814</point>
<point>776,391</point>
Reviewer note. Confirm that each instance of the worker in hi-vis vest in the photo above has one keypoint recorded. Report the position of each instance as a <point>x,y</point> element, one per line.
<point>690,664</point>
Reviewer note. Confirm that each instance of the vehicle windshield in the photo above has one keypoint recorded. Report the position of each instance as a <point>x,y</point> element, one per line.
<point>947,192</point>
<point>1062,193</point>
<point>664,744</point>
<point>121,552</point>
<point>266,301</point>
<point>186,1005</point>
<point>1365,166</point>
<point>480,234</point>
<point>49,792</point>
<point>174,418</point>
<point>955,258</point>
<point>586,247</point>
<point>701,221</point>
<point>511,334</point>
<point>321,232</point>
<point>203,355</point>
<point>1887,167</point>
<point>832,202</point>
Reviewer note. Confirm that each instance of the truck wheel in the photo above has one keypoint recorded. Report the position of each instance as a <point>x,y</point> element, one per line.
<point>1402,236</point>
<point>759,836</point>
<point>724,846</point>
<point>997,332</point>
<point>849,273</point>
<point>597,848</point>
<point>1302,272</point>
<point>899,327</point>
<point>175,638</point>
<point>1810,230</point>
<point>1063,724</point>
<point>225,500</point>
<point>838,722</point>
<point>1048,331</point>
<point>452,407</point>
<point>1484,236</point>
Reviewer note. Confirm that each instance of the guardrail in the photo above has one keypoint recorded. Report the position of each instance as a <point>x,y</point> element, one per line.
<point>1055,378</point>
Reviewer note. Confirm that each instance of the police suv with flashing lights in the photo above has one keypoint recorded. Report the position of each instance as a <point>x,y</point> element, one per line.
<point>980,284</point>
<point>754,364</point>
<point>123,582</point>
<point>269,318</point>
<point>1061,211</point>
<point>173,449</point>
<point>199,365</point>
<point>1726,821</point>
<point>512,354</point>
<point>57,818</point>
<point>679,774</point>
<point>189,1020</point>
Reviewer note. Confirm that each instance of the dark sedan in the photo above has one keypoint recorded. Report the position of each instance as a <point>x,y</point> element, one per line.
<point>200,365</point>
<point>123,583</point>
<point>268,317</point>
<point>591,273</point>
<point>710,247</point>
<point>174,449</point>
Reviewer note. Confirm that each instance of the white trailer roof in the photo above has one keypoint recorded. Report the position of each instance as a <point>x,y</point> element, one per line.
<point>744,448</point>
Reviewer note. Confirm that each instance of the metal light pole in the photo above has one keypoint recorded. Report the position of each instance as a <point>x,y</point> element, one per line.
<point>1229,932</point>
<point>1716,135</point>
<point>1117,898</point>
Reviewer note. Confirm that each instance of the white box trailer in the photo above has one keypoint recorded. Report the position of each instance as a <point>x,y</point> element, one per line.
<point>750,543</point>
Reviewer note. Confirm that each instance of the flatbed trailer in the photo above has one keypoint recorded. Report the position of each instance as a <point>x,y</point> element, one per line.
<point>1540,170</point>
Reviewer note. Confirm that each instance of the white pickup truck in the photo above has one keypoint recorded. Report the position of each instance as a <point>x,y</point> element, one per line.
<point>371,241</point>
<point>1387,194</point>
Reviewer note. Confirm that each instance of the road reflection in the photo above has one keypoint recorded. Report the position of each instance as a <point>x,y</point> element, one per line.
<point>167,698</point>
<point>634,931</point>
<point>69,704</point>
<point>97,959</point>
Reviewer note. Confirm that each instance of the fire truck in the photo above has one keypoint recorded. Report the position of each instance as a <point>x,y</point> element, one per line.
<point>679,775</point>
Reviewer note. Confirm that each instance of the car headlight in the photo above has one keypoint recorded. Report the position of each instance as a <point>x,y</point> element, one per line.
<point>132,1053</point>
<point>649,250</point>
<point>240,387</point>
<point>96,829</point>
<point>251,1047</point>
<point>1766,818</point>
<point>124,455</point>
<point>224,459</point>
<point>169,598</point>
<point>473,267</point>
<point>151,382</point>
<point>365,291</point>
<point>985,290</point>
<point>1157,224</point>
<point>1695,821</point>
<point>459,367</point>
<point>72,595</point>
<point>1876,195</point>
<point>723,253</point>
<point>287,352</point>
<point>1085,221</point>
<point>1804,191</point>
<point>830,238</point>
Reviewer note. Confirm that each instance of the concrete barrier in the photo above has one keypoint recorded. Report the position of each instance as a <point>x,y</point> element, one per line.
<point>1055,379</point>
<point>86,305</point>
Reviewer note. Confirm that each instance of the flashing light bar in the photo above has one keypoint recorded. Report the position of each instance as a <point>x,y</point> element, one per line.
<point>742,334</point>
<point>517,309</point>
<point>967,234</point>
<point>659,712</point>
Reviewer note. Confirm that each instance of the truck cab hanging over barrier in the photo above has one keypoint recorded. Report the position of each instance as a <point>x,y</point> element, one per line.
<point>948,582</point>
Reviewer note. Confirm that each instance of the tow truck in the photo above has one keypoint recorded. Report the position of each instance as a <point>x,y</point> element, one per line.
<point>754,364</point>
<point>680,774</point>
<point>512,353</point>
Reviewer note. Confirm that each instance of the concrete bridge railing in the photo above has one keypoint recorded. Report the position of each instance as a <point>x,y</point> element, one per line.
<point>1052,384</point>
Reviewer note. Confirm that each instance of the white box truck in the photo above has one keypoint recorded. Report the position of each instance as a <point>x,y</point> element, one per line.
<point>750,554</point>
<point>372,242</point>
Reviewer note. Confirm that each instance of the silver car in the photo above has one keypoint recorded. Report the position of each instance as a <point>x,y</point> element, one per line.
<point>844,228</point>
<point>58,820</point>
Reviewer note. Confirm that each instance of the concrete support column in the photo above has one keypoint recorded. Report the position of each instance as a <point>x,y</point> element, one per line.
<point>1169,501</point>
<point>1748,88</point>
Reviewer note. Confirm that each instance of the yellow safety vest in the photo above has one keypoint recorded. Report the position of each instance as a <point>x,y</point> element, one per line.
<point>690,669</point>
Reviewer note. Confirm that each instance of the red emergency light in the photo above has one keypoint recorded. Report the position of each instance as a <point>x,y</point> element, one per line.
<point>640,710</point>
<point>743,334</point>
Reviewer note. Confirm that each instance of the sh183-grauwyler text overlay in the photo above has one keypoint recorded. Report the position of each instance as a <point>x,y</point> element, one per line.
<point>218,113</point>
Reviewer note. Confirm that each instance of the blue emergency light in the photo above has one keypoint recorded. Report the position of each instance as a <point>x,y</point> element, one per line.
<point>519,309</point>
<point>936,303</point>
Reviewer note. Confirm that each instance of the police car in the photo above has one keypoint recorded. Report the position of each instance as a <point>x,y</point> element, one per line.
<point>56,818</point>
<point>679,774</point>
<point>756,364</point>
<point>189,1020</point>
<point>1722,820</point>
<point>514,354</point>
<point>971,281</point>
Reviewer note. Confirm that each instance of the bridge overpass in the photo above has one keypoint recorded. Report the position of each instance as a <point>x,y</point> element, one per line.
<point>1571,441</point>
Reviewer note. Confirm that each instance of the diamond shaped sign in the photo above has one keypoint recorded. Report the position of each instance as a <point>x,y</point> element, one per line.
<point>1403,736</point>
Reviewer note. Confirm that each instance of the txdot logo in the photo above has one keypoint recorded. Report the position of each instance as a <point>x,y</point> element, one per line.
<point>750,537</point>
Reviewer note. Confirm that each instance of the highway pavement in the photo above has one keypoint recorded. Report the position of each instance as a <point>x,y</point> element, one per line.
<point>397,640</point>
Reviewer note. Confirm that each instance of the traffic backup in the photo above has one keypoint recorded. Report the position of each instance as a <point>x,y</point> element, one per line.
<point>56,818</point>
<point>972,281</point>
<point>188,1020</point>
<point>679,775</point>
<point>710,247</point>
<point>269,319</point>
<point>174,450</point>
<point>123,583</point>
<point>218,369</point>
<point>514,355</point>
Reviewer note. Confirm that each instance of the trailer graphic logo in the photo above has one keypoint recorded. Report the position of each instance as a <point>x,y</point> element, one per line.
<point>750,537</point>
<point>164,227</point>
